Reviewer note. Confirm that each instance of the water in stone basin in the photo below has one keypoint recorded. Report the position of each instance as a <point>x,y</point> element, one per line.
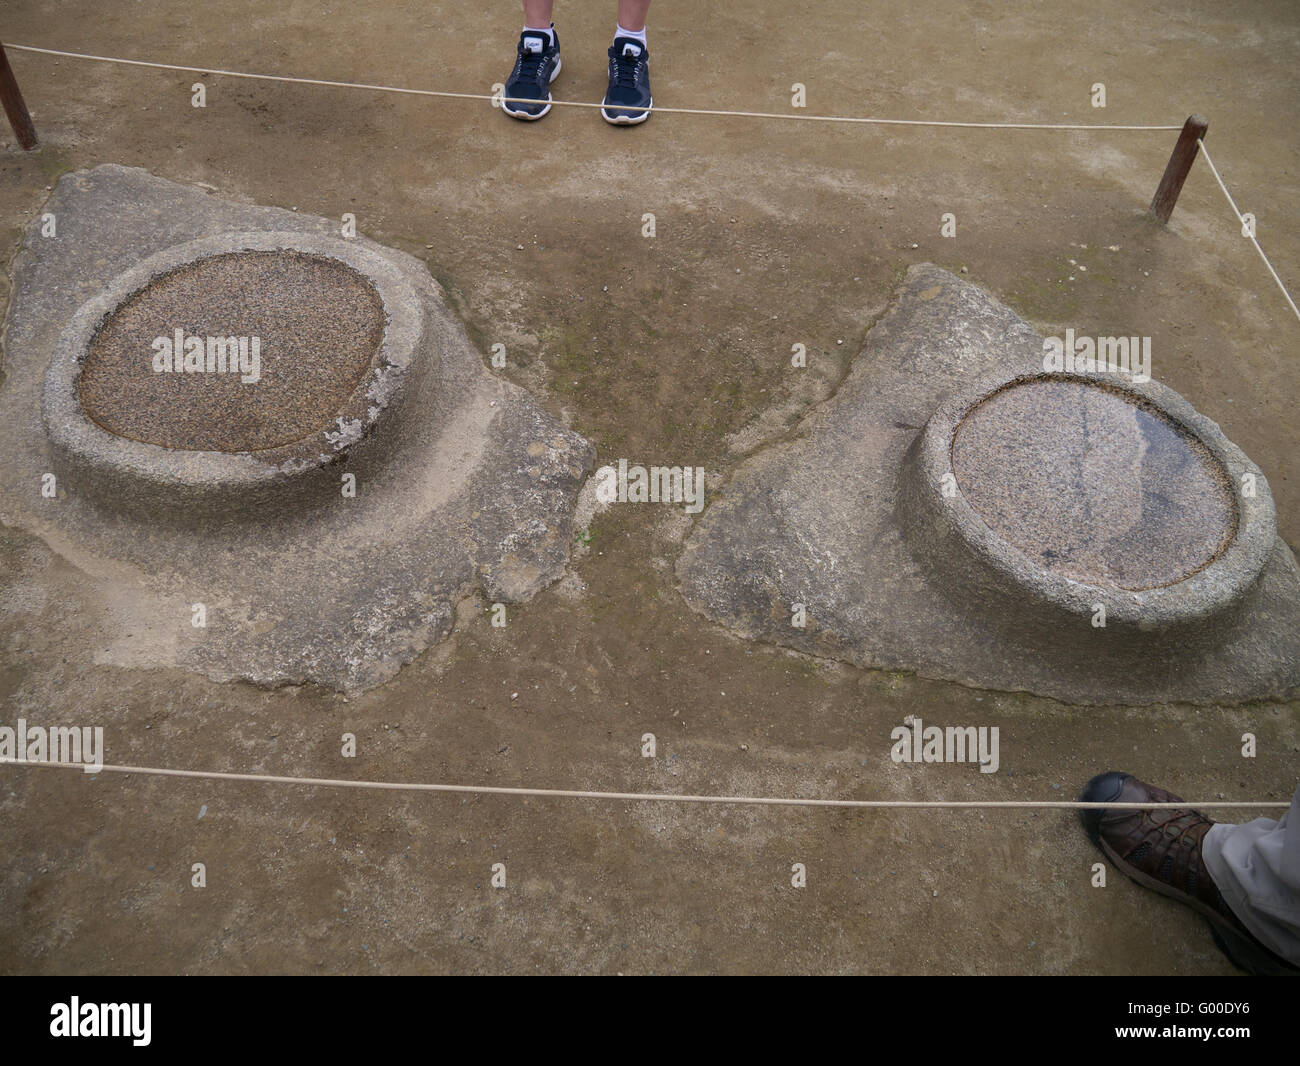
<point>313,323</point>
<point>1093,484</point>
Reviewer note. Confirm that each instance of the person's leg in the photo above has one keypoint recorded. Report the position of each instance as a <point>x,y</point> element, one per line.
<point>628,101</point>
<point>631,15</point>
<point>1257,868</point>
<point>537,14</point>
<point>537,62</point>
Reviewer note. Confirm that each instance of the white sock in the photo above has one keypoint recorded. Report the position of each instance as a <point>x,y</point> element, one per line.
<point>636,35</point>
<point>547,32</point>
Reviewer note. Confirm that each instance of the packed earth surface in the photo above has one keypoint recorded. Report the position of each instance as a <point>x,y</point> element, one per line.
<point>673,349</point>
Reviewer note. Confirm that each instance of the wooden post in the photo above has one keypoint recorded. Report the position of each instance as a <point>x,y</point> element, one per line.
<point>1185,151</point>
<point>12,99</point>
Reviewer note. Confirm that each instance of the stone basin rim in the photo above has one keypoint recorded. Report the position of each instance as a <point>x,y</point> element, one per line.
<point>1216,586</point>
<point>91,448</point>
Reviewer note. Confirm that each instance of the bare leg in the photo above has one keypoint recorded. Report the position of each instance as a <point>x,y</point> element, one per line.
<point>631,14</point>
<point>537,13</point>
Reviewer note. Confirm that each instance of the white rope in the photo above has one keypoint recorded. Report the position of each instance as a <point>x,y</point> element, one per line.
<point>640,797</point>
<point>579,103</point>
<point>1251,235</point>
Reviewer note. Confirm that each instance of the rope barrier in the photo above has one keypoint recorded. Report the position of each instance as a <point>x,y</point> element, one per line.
<point>1251,233</point>
<point>576,103</point>
<point>643,797</point>
<point>652,797</point>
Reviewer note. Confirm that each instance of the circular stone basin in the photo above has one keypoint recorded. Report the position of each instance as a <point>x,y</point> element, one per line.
<point>232,370</point>
<point>294,335</point>
<point>1094,484</point>
<point>1056,494</point>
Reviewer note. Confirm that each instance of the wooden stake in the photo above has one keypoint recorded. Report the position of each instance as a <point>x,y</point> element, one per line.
<point>12,99</point>
<point>1185,151</point>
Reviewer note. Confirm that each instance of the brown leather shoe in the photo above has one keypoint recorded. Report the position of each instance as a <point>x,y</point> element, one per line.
<point>1160,849</point>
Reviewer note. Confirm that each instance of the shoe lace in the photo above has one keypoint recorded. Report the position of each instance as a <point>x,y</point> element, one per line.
<point>1178,829</point>
<point>529,64</point>
<point>625,68</point>
<point>1177,824</point>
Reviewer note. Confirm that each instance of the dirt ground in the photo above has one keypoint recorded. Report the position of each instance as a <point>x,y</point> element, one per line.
<point>768,233</point>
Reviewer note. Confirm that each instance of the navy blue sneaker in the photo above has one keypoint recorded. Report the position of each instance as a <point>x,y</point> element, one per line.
<point>528,89</point>
<point>628,100</point>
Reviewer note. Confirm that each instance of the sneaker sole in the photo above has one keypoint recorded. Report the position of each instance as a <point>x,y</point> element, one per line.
<point>621,120</point>
<point>524,116</point>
